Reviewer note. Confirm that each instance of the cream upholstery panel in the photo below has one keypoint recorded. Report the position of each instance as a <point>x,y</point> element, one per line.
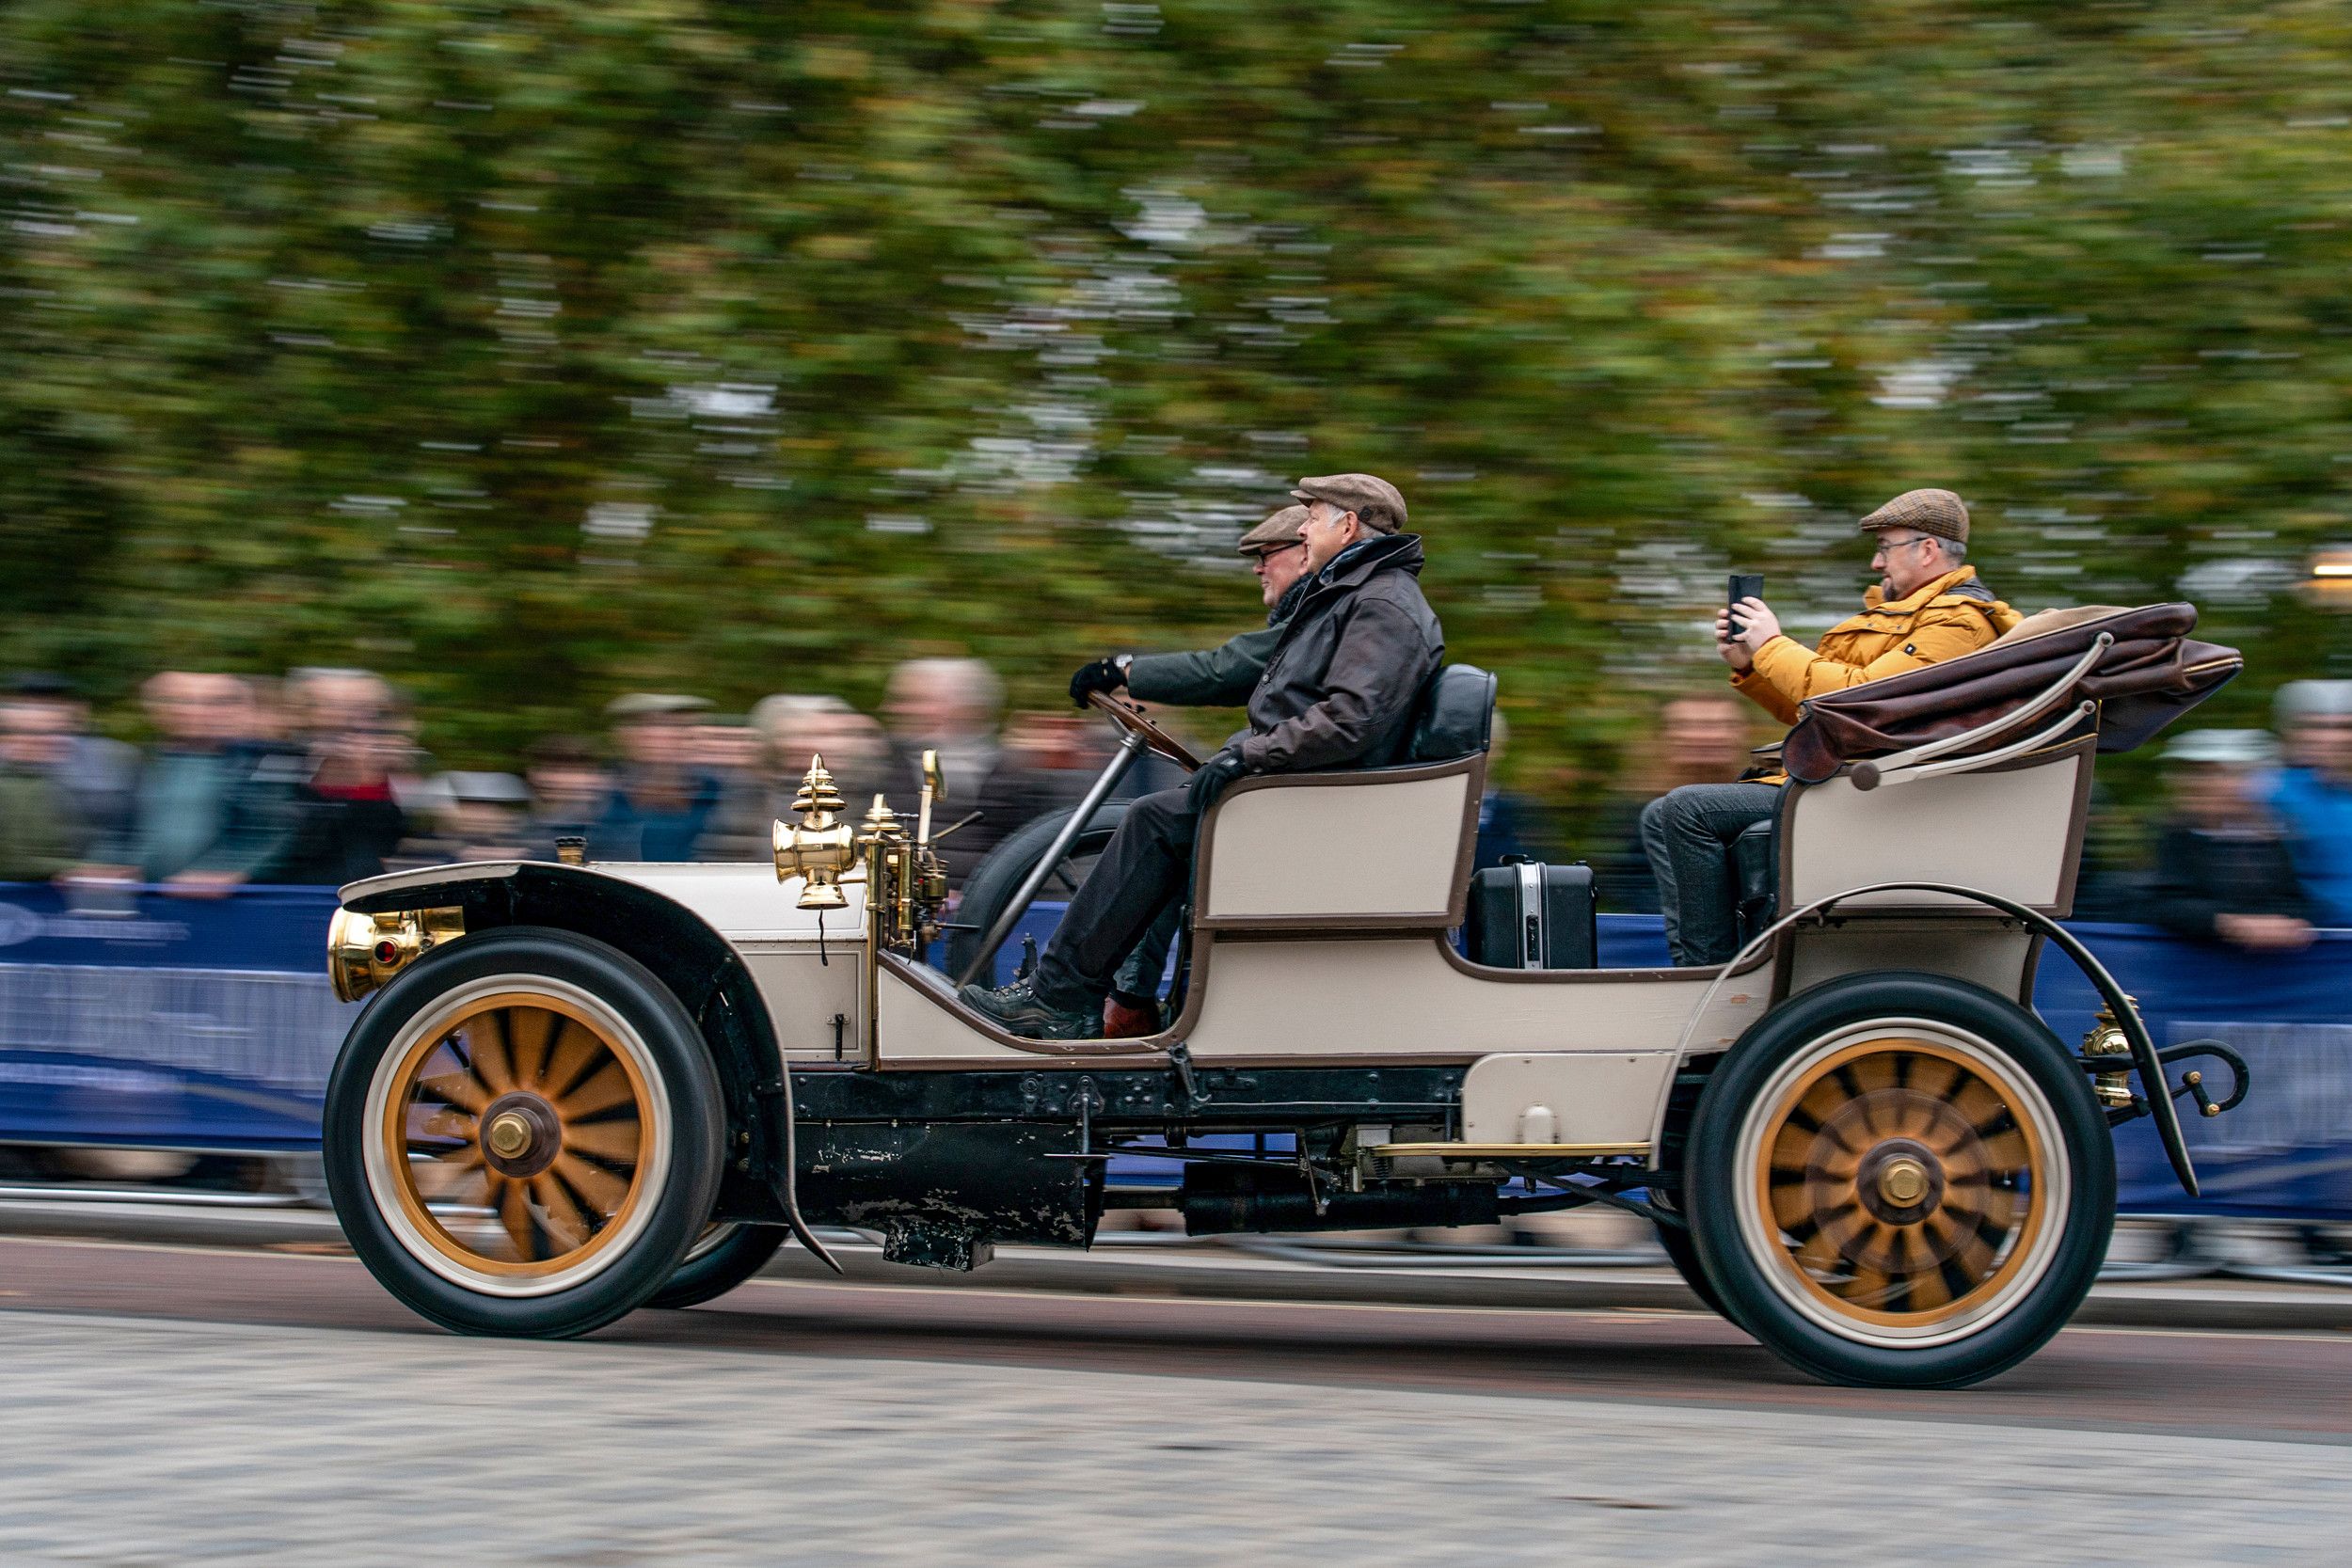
<point>2009,834</point>
<point>1302,848</point>
<point>1594,1097</point>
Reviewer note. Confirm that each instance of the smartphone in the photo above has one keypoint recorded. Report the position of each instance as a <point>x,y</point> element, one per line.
<point>1744,585</point>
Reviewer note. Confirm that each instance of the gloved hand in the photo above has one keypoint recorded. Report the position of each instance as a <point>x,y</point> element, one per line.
<point>1104,674</point>
<point>1213,779</point>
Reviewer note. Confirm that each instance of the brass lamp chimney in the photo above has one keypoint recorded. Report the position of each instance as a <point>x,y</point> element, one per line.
<point>819,848</point>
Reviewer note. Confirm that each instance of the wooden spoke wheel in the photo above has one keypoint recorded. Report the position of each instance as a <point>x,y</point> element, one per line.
<point>1905,1180</point>
<point>520,1134</point>
<point>523,1134</point>
<point>1899,1180</point>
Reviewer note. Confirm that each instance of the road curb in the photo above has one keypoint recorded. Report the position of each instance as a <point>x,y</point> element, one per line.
<point>1219,1273</point>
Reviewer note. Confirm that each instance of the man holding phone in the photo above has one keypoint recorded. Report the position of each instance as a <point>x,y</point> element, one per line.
<point>1926,606</point>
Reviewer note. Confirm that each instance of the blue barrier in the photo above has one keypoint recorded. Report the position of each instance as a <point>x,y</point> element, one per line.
<point>142,1018</point>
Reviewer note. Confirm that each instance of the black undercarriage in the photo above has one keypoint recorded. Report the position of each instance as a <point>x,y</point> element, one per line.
<point>946,1164</point>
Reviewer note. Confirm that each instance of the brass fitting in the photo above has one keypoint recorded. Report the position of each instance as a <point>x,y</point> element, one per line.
<point>2113,1090</point>
<point>820,847</point>
<point>365,951</point>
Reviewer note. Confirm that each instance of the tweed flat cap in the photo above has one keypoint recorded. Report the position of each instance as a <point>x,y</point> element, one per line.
<point>1936,512</point>
<point>1281,528</point>
<point>1370,497</point>
<point>2224,748</point>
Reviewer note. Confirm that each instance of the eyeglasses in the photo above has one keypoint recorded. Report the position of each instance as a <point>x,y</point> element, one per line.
<point>1906,544</point>
<point>1268,552</point>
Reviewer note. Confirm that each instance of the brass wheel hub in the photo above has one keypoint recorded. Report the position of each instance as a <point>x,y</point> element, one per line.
<point>1901,1181</point>
<point>520,1135</point>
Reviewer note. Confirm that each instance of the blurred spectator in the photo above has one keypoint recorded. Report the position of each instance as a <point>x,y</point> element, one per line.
<point>569,786</point>
<point>1701,738</point>
<point>41,834</point>
<point>211,810</point>
<point>2222,871</point>
<point>1500,817</point>
<point>485,818</point>
<point>99,775</point>
<point>347,818</point>
<point>662,798</point>
<point>2312,796</point>
<point>728,749</point>
<point>796,727</point>
<point>951,706</point>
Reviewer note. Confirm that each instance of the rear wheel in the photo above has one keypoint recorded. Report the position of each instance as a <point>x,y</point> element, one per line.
<point>722,1257</point>
<point>1901,1180</point>
<point>523,1134</point>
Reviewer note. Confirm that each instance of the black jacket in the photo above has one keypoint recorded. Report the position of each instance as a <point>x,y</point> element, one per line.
<point>2200,874</point>
<point>1349,666</point>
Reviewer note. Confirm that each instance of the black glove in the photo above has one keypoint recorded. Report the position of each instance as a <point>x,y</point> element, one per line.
<point>1104,674</point>
<point>1213,779</point>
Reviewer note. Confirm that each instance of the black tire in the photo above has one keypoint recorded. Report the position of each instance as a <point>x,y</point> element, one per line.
<point>1003,869</point>
<point>717,1264</point>
<point>1683,1253</point>
<point>1854,1181</point>
<point>636,1076</point>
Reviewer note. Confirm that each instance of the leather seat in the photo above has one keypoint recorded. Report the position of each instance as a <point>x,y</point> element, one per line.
<point>1755,873</point>
<point>1457,716</point>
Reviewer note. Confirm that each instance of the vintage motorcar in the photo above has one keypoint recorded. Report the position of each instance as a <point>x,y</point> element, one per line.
<point>580,1089</point>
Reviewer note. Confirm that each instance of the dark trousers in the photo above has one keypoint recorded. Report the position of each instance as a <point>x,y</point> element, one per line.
<point>1138,875</point>
<point>1688,834</point>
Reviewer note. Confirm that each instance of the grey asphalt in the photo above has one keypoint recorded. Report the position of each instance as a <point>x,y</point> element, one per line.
<point>171,1442</point>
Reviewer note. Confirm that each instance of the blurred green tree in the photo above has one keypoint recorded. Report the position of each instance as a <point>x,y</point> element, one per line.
<point>533,351</point>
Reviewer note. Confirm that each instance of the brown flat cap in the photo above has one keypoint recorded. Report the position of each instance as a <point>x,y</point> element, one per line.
<point>1936,512</point>
<point>1281,528</point>
<point>1370,497</point>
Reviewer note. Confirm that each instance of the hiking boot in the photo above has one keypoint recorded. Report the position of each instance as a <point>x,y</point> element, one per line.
<point>1019,1010</point>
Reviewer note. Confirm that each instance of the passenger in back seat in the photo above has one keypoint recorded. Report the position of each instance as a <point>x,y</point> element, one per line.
<point>1926,606</point>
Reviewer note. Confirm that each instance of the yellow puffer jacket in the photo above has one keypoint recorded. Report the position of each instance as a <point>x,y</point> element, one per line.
<point>1953,615</point>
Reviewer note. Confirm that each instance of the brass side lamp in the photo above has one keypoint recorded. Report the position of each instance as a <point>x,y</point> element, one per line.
<point>820,847</point>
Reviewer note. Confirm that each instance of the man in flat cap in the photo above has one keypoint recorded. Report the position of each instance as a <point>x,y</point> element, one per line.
<point>1926,606</point>
<point>2312,795</point>
<point>1338,691</point>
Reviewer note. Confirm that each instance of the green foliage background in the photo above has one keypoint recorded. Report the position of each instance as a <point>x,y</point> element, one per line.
<point>533,351</point>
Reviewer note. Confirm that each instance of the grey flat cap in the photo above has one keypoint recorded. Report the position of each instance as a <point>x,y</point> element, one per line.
<point>1370,497</point>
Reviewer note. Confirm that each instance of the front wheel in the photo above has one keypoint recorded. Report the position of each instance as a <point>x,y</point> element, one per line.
<point>1901,1180</point>
<point>722,1257</point>
<point>523,1134</point>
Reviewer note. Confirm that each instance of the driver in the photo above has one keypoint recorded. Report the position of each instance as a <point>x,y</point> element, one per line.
<point>1338,691</point>
<point>1216,678</point>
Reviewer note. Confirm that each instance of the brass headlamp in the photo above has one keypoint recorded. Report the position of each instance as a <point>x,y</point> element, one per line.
<point>2106,1039</point>
<point>820,847</point>
<point>365,951</point>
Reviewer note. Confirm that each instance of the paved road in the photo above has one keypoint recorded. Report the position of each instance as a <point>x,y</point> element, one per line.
<point>169,1406</point>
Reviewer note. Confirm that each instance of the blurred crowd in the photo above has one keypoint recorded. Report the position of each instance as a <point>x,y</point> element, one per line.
<point>318,779</point>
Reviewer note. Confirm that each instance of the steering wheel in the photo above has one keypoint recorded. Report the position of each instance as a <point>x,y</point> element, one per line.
<point>1131,718</point>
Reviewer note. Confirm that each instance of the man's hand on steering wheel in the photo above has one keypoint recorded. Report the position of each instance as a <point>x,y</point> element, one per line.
<point>1104,674</point>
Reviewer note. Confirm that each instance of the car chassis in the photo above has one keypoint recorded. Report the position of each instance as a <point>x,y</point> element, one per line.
<point>579,1089</point>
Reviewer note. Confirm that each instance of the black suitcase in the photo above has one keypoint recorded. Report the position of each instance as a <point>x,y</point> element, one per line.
<point>1527,915</point>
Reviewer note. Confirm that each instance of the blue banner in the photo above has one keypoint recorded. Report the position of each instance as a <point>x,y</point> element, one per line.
<point>141,1019</point>
<point>131,1017</point>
